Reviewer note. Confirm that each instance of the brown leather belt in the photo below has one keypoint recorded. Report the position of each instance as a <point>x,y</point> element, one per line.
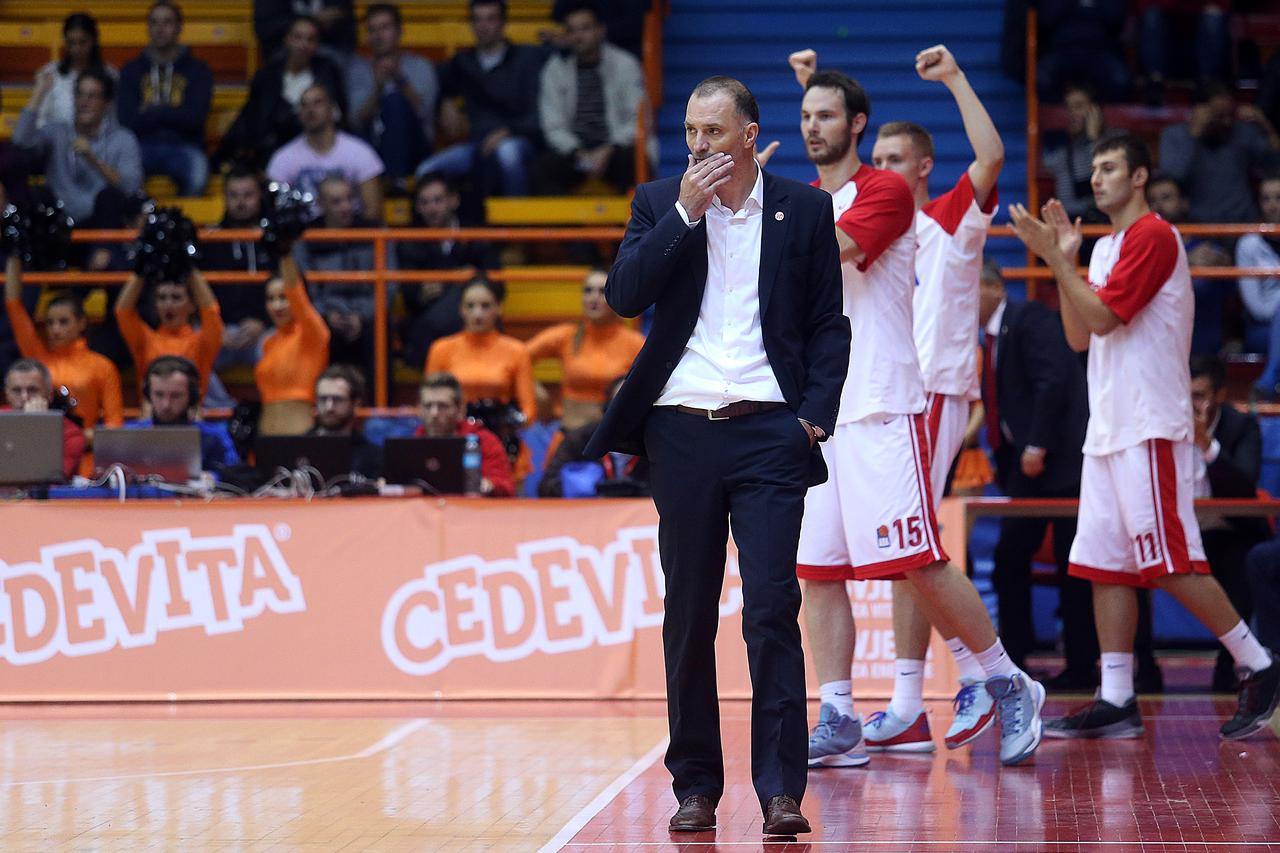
<point>733,410</point>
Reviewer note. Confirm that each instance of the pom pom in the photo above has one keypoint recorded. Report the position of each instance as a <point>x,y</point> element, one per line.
<point>288,214</point>
<point>167,248</point>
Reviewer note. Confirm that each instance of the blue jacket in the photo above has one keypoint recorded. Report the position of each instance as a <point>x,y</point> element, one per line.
<point>185,89</point>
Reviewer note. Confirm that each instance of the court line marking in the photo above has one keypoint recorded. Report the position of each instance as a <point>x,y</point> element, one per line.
<point>918,842</point>
<point>392,738</point>
<point>593,808</point>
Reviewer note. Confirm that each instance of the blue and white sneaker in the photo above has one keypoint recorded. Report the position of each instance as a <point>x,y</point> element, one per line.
<point>887,732</point>
<point>975,712</point>
<point>836,741</point>
<point>1018,702</point>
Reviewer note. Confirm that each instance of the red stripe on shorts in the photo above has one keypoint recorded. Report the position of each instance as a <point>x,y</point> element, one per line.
<point>933,406</point>
<point>925,485</point>
<point>1164,488</point>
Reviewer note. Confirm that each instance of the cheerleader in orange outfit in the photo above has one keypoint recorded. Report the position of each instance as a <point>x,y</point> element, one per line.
<point>594,352</point>
<point>92,379</point>
<point>488,364</point>
<point>293,355</point>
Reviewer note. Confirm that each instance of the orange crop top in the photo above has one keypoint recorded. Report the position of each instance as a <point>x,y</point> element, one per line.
<point>294,355</point>
<point>489,365</point>
<point>606,353</point>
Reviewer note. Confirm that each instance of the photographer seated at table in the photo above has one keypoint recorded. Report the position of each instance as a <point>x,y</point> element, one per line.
<point>441,409</point>
<point>171,392</point>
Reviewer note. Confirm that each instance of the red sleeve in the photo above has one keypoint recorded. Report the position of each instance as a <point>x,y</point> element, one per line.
<point>948,209</point>
<point>495,466</point>
<point>73,445</point>
<point>881,213</point>
<point>1148,255</point>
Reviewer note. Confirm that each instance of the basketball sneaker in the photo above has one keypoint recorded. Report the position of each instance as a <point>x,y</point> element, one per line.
<point>975,712</point>
<point>1018,702</point>
<point>1099,719</point>
<point>836,741</point>
<point>887,732</point>
<point>1259,695</point>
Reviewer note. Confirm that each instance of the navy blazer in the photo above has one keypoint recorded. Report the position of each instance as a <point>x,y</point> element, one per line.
<point>663,262</point>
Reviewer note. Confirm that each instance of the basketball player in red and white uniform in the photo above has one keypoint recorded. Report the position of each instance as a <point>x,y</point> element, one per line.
<point>1137,524</point>
<point>951,232</point>
<point>874,517</point>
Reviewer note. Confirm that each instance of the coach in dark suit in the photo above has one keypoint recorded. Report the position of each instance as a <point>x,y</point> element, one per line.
<point>1037,407</point>
<point>1231,444</point>
<point>739,377</point>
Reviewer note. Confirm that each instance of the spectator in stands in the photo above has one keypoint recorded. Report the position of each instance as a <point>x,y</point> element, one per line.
<point>335,22</point>
<point>623,21</point>
<point>1036,406</point>
<point>270,116</point>
<point>116,209</point>
<point>499,82</point>
<point>1080,40</point>
<point>613,475</point>
<point>393,95</point>
<point>1263,568</point>
<point>1269,90</point>
<point>490,365</point>
<point>1216,154</point>
<point>441,409</point>
<point>28,387</point>
<point>588,103</point>
<point>87,155</point>
<point>171,392</point>
<point>243,308</point>
<point>80,52</point>
<point>294,355</point>
<point>339,394</point>
<point>1261,294</point>
<point>347,308</point>
<point>432,308</point>
<point>175,302</point>
<point>322,151</point>
<point>1230,444</point>
<point>1168,29</point>
<point>1072,162</point>
<point>593,352</point>
<point>1166,198</point>
<point>92,379</point>
<point>165,95</point>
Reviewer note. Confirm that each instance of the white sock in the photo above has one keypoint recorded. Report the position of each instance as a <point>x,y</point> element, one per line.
<point>839,694</point>
<point>1117,677</point>
<point>908,689</point>
<point>995,661</point>
<point>970,669</point>
<point>1245,648</point>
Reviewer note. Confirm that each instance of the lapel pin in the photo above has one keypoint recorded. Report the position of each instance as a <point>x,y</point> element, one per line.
<point>779,216</point>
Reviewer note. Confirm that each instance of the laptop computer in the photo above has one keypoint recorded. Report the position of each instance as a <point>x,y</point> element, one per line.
<point>30,448</point>
<point>328,454</point>
<point>168,453</point>
<point>434,461</point>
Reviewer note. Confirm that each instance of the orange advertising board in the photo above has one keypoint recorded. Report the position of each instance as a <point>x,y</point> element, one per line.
<point>392,598</point>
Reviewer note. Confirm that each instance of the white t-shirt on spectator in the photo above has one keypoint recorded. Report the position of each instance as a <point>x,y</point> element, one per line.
<point>301,166</point>
<point>1139,379</point>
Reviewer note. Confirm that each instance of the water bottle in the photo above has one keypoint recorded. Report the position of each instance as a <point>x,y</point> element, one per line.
<point>471,465</point>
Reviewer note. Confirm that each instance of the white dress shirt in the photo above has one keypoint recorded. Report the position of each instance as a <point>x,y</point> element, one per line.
<point>724,361</point>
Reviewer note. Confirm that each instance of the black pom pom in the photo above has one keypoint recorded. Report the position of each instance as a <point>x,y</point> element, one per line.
<point>287,215</point>
<point>15,233</point>
<point>167,248</point>
<point>48,234</point>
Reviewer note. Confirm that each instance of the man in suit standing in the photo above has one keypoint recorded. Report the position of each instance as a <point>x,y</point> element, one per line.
<point>1037,408</point>
<point>739,378</point>
<point>1230,442</point>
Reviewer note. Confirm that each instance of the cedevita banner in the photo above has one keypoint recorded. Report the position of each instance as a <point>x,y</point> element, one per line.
<point>395,598</point>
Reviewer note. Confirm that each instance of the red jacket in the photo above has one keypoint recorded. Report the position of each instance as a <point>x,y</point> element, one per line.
<point>494,464</point>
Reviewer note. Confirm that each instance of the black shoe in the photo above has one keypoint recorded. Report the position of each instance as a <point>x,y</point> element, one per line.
<point>1072,681</point>
<point>1259,695</point>
<point>1099,719</point>
<point>782,817</point>
<point>697,813</point>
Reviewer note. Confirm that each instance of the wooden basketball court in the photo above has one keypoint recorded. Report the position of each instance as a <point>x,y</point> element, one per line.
<point>588,776</point>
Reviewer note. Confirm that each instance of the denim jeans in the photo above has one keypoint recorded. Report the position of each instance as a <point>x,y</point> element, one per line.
<point>397,136</point>
<point>186,165</point>
<point>508,167</point>
<point>1212,46</point>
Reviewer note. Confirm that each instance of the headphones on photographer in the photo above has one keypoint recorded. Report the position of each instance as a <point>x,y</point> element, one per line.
<point>167,365</point>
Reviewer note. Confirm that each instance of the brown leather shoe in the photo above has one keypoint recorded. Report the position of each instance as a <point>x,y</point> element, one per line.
<point>782,817</point>
<point>696,814</point>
